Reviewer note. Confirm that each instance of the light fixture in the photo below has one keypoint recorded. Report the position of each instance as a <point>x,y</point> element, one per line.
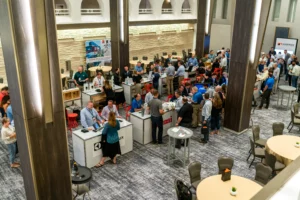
<point>257,13</point>
<point>122,20</point>
<point>207,16</point>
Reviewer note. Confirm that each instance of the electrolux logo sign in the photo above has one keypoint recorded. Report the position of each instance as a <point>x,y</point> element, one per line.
<point>285,44</point>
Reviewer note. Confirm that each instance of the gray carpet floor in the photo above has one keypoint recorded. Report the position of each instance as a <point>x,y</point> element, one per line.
<point>144,173</point>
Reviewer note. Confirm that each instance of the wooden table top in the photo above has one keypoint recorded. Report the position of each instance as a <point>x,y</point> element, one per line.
<point>103,68</point>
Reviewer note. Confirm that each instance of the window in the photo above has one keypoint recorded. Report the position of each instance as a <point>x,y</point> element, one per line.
<point>215,8</point>
<point>167,7</point>
<point>225,8</point>
<point>276,10</point>
<point>292,11</point>
<point>145,7</point>
<point>186,8</point>
<point>90,7</point>
<point>61,8</point>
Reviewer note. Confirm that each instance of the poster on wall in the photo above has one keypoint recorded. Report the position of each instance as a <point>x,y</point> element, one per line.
<point>98,52</point>
<point>289,44</point>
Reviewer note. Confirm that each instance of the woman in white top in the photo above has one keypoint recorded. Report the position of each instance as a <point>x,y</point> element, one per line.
<point>98,80</point>
<point>8,136</point>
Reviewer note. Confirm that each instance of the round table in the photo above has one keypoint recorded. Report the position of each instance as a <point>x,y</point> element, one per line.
<point>134,62</point>
<point>103,68</point>
<point>283,147</point>
<point>84,176</point>
<point>179,133</point>
<point>214,188</point>
<point>288,89</point>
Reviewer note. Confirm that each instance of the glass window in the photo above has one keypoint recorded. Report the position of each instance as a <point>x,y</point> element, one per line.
<point>276,10</point>
<point>292,11</point>
<point>215,8</point>
<point>225,8</point>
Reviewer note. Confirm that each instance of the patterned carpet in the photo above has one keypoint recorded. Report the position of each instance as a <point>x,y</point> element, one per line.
<point>144,174</point>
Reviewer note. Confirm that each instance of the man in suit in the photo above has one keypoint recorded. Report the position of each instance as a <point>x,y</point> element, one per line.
<point>286,58</point>
<point>126,74</point>
<point>187,90</point>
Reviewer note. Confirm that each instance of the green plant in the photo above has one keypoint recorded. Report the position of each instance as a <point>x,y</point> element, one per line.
<point>233,189</point>
<point>297,143</point>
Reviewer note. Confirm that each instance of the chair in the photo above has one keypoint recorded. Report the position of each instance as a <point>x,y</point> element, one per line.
<point>294,121</point>
<point>72,121</point>
<point>135,58</point>
<point>145,58</point>
<point>225,163</point>
<point>62,71</point>
<point>256,137</point>
<point>174,53</point>
<point>263,173</point>
<point>271,161</point>
<point>277,128</point>
<point>195,173</point>
<point>169,97</point>
<point>256,152</point>
<point>127,112</point>
<point>165,53</point>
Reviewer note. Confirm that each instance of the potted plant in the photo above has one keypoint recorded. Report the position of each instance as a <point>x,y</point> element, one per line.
<point>233,191</point>
<point>297,144</point>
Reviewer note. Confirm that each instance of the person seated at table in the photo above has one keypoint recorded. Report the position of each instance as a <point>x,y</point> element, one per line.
<point>216,64</point>
<point>137,78</point>
<point>112,145</point>
<point>89,116</point>
<point>200,63</point>
<point>205,58</point>
<point>117,77</point>
<point>212,80</point>
<point>264,75</point>
<point>211,55</point>
<point>80,78</point>
<point>109,108</point>
<point>98,80</point>
<point>149,95</point>
<point>155,79</point>
<point>136,104</point>
<point>187,90</point>
<point>109,92</point>
<point>126,74</point>
<point>8,136</point>
<point>261,66</point>
<point>192,61</point>
<point>180,89</point>
<point>178,101</point>
<point>138,68</point>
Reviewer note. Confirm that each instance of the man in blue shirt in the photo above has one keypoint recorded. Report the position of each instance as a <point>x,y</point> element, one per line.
<point>180,72</point>
<point>267,91</point>
<point>193,61</point>
<point>196,100</point>
<point>136,104</point>
<point>138,68</point>
<point>9,113</point>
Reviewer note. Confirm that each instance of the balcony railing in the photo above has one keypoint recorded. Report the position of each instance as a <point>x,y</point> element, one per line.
<point>145,11</point>
<point>61,12</point>
<point>91,12</point>
<point>186,10</point>
<point>167,11</point>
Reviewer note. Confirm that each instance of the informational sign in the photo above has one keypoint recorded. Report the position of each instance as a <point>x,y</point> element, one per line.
<point>97,149</point>
<point>98,51</point>
<point>167,121</point>
<point>289,44</point>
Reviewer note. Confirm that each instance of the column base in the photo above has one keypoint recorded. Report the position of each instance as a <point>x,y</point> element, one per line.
<point>238,133</point>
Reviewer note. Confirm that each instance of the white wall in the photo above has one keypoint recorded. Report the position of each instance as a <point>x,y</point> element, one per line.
<point>220,36</point>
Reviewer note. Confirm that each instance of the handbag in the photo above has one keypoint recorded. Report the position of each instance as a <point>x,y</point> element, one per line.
<point>226,175</point>
<point>204,130</point>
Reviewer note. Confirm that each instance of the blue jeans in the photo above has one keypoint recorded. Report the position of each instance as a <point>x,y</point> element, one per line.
<point>215,122</point>
<point>206,136</point>
<point>12,149</point>
<point>294,81</point>
<point>157,122</point>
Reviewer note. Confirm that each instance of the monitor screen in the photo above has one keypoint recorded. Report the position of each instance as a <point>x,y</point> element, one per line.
<point>96,126</point>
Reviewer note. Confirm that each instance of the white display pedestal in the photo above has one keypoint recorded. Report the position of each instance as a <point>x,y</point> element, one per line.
<point>128,93</point>
<point>142,128</point>
<point>87,147</point>
<point>161,83</point>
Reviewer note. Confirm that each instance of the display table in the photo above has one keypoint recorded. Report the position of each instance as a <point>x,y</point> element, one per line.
<point>129,90</point>
<point>94,96</point>
<point>215,189</point>
<point>283,147</point>
<point>162,81</point>
<point>287,89</point>
<point>87,146</point>
<point>181,133</point>
<point>84,176</point>
<point>142,126</point>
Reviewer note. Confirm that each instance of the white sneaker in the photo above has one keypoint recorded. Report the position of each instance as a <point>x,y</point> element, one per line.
<point>199,125</point>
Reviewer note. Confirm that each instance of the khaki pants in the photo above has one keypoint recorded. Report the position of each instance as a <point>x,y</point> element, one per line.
<point>170,84</point>
<point>138,88</point>
<point>275,86</point>
<point>196,118</point>
<point>180,79</point>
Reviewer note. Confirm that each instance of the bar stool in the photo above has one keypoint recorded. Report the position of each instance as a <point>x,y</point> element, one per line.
<point>72,121</point>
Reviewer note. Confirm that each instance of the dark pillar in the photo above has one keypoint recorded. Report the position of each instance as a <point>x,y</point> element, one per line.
<point>28,36</point>
<point>245,51</point>
<point>204,19</point>
<point>119,33</point>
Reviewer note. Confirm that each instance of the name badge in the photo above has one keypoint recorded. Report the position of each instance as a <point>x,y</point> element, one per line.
<point>94,119</point>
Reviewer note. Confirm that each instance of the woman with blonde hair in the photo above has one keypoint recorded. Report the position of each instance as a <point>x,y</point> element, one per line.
<point>112,145</point>
<point>217,105</point>
<point>8,135</point>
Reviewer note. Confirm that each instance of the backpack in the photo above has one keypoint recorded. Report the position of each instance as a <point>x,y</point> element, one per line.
<point>183,191</point>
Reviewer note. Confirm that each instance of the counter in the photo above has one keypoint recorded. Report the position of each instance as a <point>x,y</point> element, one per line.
<point>87,147</point>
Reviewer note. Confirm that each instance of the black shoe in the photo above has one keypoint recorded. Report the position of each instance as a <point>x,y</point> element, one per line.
<point>161,142</point>
<point>259,108</point>
<point>203,141</point>
<point>266,107</point>
<point>154,142</point>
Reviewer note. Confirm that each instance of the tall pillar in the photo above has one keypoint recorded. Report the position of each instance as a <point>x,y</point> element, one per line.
<point>204,19</point>
<point>75,11</point>
<point>177,6</point>
<point>219,11</point>
<point>29,42</point>
<point>156,7</point>
<point>119,29</point>
<point>245,53</point>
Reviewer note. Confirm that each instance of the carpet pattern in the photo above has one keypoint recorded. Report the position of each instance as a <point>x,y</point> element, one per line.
<point>144,173</point>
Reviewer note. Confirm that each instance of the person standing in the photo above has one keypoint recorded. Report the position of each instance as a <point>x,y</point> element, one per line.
<point>272,52</point>
<point>149,95</point>
<point>267,91</point>
<point>137,78</point>
<point>178,101</point>
<point>126,74</point>
<point>80,78</point>
<point>180,72</point>
<point>276,73</point>
<point>117,77</point>
<point>156,111</point>
<point>206,116</point>
<point>295,75</point>
<point>192,61</point>
<point>170,72</point>
<point>89,116</point>
<point>98,80</point>
<point>112,144</point>
<point>109,92</point>
<point>155,79</point>
<point>196,100</point>
<point>138,68</point>
<point>9,137</point>
<point>217,105</point>
<point>4,92</point>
